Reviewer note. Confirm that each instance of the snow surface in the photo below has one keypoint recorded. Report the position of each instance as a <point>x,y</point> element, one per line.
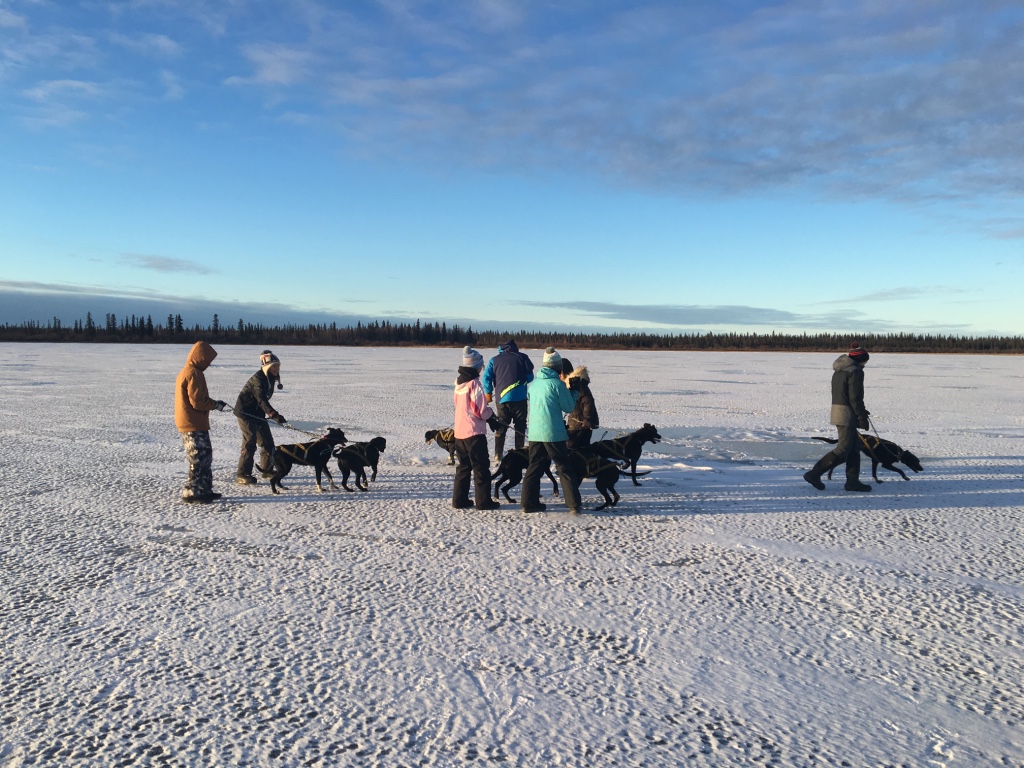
<point>725,614</point>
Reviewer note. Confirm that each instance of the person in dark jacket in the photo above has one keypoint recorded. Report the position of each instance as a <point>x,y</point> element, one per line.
<point>192,406</point>
<point>253,408</point>
<point>583,420</point>
<point>848,414</point>
<point>504,381</point>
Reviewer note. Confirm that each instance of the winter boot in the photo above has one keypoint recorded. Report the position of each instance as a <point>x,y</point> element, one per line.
<point>825,463</point>
<point>245,480</point>
<point>856,485</point>
<point>487,504</point>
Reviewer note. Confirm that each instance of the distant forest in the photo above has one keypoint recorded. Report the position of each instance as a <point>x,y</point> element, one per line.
<point>171,330</point>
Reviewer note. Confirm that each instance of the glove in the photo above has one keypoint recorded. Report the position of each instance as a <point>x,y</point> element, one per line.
<point>220,405</point>
<point>279,418</point>
<point>495,424</point>
<point>862,422</point>
<point>575,384</point>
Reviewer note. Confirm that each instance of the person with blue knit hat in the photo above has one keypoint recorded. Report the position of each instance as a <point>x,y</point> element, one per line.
<point>472,417</point>
<point>549,397</point>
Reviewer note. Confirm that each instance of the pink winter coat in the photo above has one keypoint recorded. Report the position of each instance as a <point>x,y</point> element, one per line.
<point>471,409</point>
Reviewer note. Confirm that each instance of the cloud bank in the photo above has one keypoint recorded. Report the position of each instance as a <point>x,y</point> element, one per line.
<point>916,101</point>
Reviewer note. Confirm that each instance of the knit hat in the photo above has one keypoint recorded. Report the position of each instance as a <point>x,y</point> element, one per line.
<point>566,366</point>
<point>267,359</point>
<point>552,359</point>
<point>857,353</point>
<point>471,358</point>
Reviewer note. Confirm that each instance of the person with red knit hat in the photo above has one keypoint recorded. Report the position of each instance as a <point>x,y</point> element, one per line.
<point>848,414</point>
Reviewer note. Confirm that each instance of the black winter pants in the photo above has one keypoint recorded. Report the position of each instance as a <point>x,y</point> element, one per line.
<point>255,431</point>
<point>472,456</point>
<point>541,456</point>
<point>511,413</point>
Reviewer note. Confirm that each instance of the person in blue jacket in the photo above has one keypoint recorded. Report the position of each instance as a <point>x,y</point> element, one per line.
<point>549,398</point>
<point>504,381</point>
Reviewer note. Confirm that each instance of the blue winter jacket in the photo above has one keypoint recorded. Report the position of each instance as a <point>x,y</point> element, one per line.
<point>549,399</point>
<point>507,374</point>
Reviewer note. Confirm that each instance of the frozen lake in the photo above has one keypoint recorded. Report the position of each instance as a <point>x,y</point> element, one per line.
<point>724,614</point>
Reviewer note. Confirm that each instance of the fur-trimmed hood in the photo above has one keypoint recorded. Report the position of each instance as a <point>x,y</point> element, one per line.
<point>580,371</point>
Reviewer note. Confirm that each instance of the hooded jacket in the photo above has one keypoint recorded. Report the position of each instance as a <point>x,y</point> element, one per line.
<point>549,399</point>
<point>508,373</point>
<point>471,409</point>
<point>192,401</point>
<point>848,393</point>
<point>584,415</point>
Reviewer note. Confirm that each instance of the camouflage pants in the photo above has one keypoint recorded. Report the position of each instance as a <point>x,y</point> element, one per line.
<point>199,453</point>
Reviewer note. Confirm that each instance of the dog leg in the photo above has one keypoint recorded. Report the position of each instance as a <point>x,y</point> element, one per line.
<point>330,479</point>
<point>554,483</point>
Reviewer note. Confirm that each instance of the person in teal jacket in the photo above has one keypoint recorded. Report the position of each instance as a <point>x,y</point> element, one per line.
<point>549,398</point>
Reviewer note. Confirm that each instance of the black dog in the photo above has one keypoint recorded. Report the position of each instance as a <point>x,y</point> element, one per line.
<point>315,454</point>
<point>510,473</point>
<point>445,438</point>
<point>589,463</point>
<point>356,457</point>
<point>884,452</point>
<point>627,449</point>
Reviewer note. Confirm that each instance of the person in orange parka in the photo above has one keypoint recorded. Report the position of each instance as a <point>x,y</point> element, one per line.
<point>192,406</point>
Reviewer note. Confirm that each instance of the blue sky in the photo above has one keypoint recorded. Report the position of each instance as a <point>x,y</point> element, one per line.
<point>849,166</point>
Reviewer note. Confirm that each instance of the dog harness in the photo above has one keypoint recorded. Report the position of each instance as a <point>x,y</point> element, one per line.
<point>876,442</point>
<point>300,453</point>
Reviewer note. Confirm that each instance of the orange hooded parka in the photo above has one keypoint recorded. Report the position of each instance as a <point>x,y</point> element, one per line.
<point>192,401</point>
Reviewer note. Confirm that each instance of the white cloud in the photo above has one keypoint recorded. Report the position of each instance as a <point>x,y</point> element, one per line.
<point>173,91</point>
<point>149,45</point>
<point>275,65</point>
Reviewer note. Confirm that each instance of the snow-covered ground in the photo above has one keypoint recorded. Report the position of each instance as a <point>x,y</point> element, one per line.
<point>724,614</point>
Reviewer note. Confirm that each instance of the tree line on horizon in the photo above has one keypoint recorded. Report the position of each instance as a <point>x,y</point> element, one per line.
<point>136,329</point>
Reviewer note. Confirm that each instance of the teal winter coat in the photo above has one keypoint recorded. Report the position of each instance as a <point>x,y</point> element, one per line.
<point>549,399</point>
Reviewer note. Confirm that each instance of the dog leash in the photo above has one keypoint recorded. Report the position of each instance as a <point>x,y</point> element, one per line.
<point>286,425</point>
<point>879,437</point>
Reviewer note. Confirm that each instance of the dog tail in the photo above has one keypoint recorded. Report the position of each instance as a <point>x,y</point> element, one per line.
<point>826,439</point>
<point>630,474</point>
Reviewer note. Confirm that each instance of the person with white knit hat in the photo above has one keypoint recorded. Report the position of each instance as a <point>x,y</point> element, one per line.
<point>550,397</point>
<point>253,408</point>
<point>472,417</point>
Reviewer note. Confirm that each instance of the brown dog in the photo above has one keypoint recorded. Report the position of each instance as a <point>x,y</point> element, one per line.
<point>445,438</point>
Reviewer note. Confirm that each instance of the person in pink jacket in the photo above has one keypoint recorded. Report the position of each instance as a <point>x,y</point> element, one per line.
<point>472,417</point>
